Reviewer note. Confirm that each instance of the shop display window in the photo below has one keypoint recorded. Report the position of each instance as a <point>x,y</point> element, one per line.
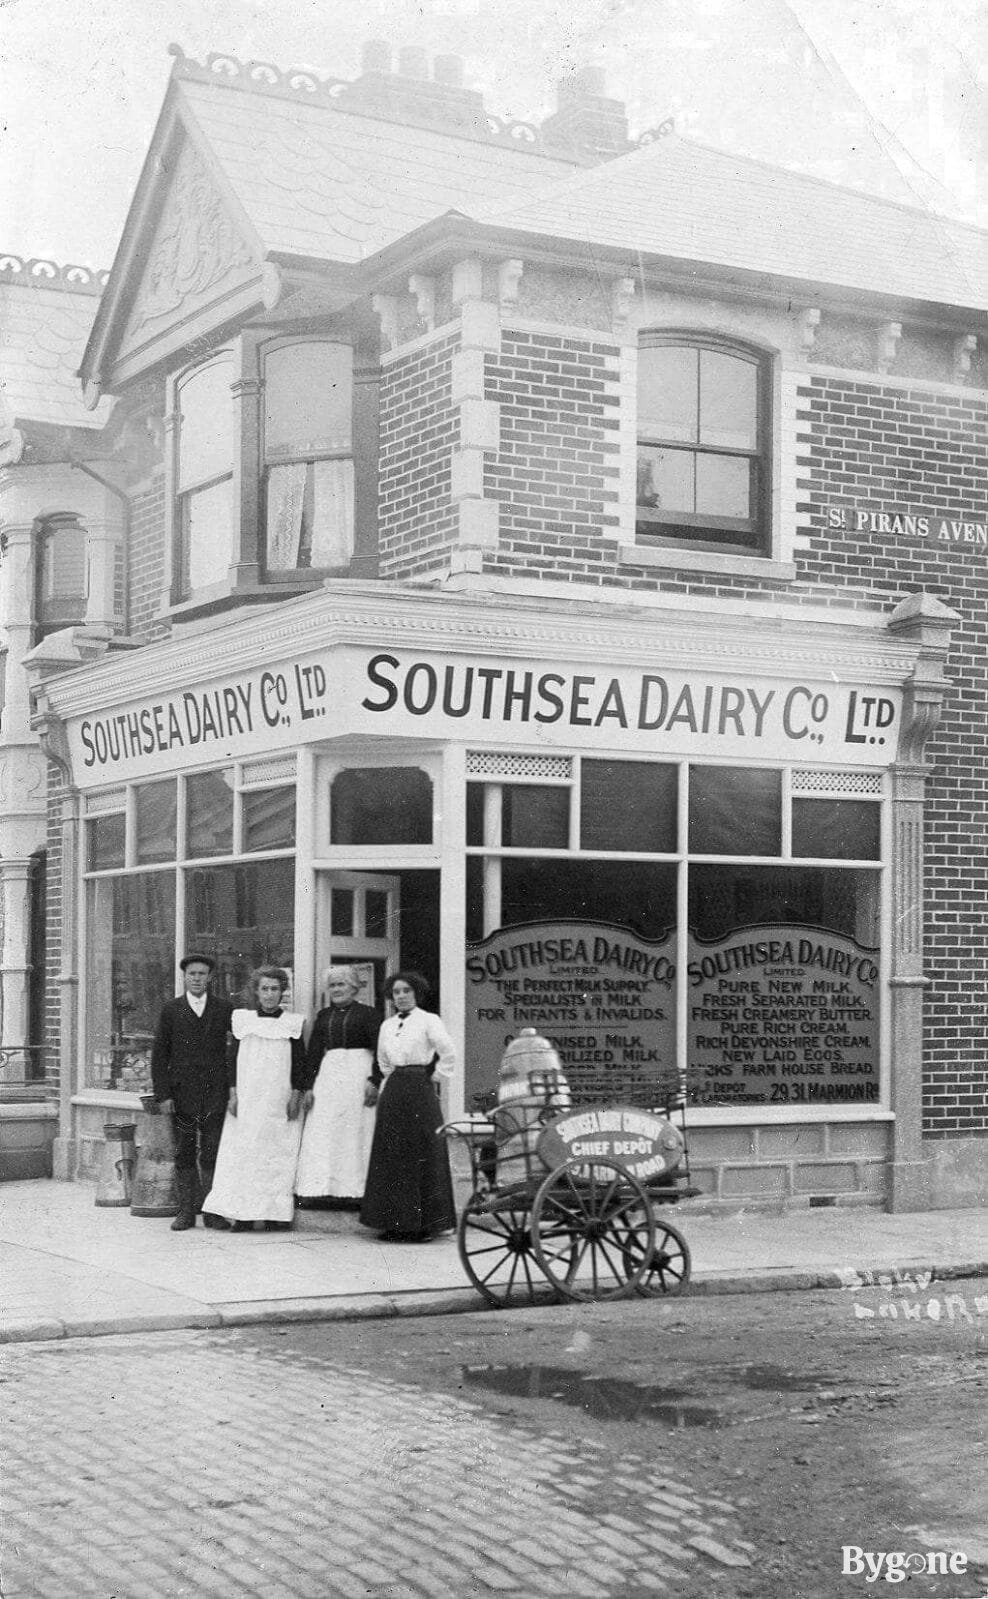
<point>144,909</point>
<point>535,818</point>
<point>746,964</point>
<point>381,805</point>
<point>702,451</point>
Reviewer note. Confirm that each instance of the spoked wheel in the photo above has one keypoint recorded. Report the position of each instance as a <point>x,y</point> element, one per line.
<point>592,1230</point>
<point>495,1243</point>
<point>667,1268</point>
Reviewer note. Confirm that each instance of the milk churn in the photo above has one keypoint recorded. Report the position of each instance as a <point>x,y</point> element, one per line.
<point>531,1087</point>
<point>117,1166</point>
<point>154,1192</point>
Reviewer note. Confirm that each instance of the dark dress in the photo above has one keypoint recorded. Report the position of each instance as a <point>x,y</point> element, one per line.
<point>409,1189</point>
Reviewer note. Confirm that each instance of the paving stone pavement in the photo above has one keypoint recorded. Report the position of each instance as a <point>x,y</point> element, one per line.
<point>167,1465</point>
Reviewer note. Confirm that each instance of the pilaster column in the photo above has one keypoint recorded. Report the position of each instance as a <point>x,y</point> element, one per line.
<point>16,625</point>
<point>15,969</point>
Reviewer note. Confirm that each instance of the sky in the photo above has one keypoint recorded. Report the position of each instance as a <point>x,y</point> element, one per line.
<point>81,81</point>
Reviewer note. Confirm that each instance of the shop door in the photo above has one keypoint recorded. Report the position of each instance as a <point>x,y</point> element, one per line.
<point>358,924</point>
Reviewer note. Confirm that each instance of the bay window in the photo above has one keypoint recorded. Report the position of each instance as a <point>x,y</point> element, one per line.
<point>204,475</point>
<point>308,457</point>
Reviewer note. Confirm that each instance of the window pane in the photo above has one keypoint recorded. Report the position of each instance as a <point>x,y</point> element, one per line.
<point>209,813</point>
<point>244,916</point>
<point>381,805</point>
<point>341,912</point>
<point>156,814</point>
<point>735,811</point>
<point>376,913</point>
<point>205,437</point>
<point>130,973</point>
<point>106,842</point>
<point>309,515</point>
<point>64,563</point>
<point>724,898</point>
<point>836,829</point>
<point>628,805</point>
<point>723,485</point>
<point>535,818</point>
<point>665,481</point>
<point>307,400</point>
<point>269,819</point>
<point>639,895</point>
<point>667,392</point>
<point>728,401</point>
<point>208,533</point>
<point>475,813</point>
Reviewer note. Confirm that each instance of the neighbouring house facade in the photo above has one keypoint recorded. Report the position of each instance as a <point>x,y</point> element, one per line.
<point>557,565</point>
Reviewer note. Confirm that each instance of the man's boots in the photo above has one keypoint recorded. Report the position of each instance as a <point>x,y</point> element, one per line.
<point>187,1183</point>
<point>205,1184</point>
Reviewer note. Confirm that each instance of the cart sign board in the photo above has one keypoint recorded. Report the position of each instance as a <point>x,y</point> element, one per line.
<point>602,996</point>
<point>648,1145</point>
<point>782,1015</point>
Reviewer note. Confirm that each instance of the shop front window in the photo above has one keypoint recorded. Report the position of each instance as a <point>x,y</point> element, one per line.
<point>151,855</point>
<point>760,926</point>
<point>381,805</point>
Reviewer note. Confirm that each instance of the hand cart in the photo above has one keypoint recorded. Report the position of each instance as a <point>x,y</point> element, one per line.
<point>565,1204</point>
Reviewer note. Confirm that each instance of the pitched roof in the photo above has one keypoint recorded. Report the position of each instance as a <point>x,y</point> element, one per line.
<point>685,200</point>
<point>46,313</point>
<point>330,185</point>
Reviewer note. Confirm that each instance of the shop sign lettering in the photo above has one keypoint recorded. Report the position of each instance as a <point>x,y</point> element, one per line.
<point>782,1016</point>
<point>350,691</point>
<point>603,997</point>
<point>935,527</point>
<point>641,1141</point>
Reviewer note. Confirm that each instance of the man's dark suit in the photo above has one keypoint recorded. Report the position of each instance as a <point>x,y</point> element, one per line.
<point>189,1067</point>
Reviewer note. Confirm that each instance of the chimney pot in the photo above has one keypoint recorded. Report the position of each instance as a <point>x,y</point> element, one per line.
<point>413,62</point>
<point>448,70</point>
<point>376,56</point>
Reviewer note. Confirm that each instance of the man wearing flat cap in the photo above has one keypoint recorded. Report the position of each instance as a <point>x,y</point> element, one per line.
<point>189,1079</point>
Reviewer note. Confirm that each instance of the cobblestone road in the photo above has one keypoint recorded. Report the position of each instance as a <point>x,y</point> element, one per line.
<point>192,1464</point>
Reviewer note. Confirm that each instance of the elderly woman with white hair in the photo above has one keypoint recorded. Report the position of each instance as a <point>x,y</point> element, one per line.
<point>341,1081</point>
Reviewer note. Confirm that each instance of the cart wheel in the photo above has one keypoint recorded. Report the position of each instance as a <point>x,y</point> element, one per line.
<point>667,1269</point>
<point>592,1230</point>
<point>495,1244</point>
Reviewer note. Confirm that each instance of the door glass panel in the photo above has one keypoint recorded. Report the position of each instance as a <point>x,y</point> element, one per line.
<point>341,912</point>
<point>376,913</point>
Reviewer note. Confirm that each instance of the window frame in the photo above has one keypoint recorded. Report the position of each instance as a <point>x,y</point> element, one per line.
<point>662,535</point>
<point>53,611</point>
<point>308,458</point>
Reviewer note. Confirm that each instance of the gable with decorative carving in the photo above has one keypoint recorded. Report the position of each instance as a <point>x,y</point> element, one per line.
<point>198,257</point>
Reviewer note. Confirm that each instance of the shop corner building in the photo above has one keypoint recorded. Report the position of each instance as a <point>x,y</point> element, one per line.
<point>554,563</point>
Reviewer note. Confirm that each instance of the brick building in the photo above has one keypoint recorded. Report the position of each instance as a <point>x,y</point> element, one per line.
<point>562,569</point>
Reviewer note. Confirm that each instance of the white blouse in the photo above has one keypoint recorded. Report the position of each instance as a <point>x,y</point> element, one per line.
<point>412,1040</point>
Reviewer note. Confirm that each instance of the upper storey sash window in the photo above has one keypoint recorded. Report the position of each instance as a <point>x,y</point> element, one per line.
<point>205,474</point>
<point>702,444</point>
<point>308,457</point>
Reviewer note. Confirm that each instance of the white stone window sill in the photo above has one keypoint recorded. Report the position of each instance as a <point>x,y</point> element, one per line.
<point>748,1115</point>
<point>670,558</point>
<point>108,1098</point>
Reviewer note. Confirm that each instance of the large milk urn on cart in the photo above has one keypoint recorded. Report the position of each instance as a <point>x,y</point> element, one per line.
<point>154,1192</point>
<point>530,1086</point>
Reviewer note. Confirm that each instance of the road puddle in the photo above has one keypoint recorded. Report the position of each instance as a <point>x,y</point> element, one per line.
<point>777,1380</point>
<point>604,1398</point>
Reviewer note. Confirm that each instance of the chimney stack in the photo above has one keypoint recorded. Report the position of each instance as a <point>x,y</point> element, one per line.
<point>586,123</point>
<point>411,96</point>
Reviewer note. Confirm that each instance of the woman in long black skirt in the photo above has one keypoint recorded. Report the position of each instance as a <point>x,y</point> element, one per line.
<point>409,1189</point>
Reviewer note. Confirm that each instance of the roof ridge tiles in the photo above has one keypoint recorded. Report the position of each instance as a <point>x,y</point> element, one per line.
<point>37,272</point>
<point>305,85</point>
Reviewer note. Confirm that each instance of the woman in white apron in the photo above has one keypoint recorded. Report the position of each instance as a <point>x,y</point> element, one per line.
<point>255,1167</point>
<point>341,1079</point>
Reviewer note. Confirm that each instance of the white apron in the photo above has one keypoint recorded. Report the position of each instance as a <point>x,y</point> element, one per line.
<point>255,1168</point>
<point>339,1129</point>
